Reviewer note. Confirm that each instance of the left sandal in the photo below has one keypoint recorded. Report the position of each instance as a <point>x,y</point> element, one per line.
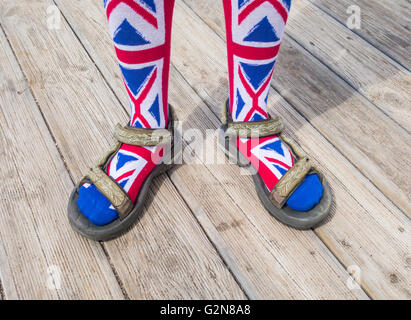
<point>275,201</point>
<point>127,211</point>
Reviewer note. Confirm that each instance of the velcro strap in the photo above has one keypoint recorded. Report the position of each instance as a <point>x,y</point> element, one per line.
<point>255,129</point>
<point>290,181</point>
<point>250,129</point>
<point>111,190</point>
<point>141,136</point>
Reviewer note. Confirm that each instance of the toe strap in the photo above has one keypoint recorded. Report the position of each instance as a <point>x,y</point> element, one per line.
<point>290,181</point>
<point>133,136</point>
<point>111,190</point>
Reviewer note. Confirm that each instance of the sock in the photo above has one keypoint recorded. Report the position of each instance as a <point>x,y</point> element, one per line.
<point>254,29</point>
<point>141,32</point>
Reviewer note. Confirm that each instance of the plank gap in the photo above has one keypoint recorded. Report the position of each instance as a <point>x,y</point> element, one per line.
<point>216,245</point>
<point>114,270</point>
<point>55,145</point>
<point>108,83</point>
<point>383,52</point>
<point>315,58</point>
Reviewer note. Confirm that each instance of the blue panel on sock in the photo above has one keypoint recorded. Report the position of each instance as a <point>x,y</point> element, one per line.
<point>257,73</point>
<point>266,97</point>
<point>155,110</point>
<point>307,195</point>
<point>150,4</point>
<point>262,32</point>
<point>123,183</point>
<point>240,104</point>
<point>241,3</point>
<point>105,3</point>
<point>257,117</point>
<point>122,159</point>
<point>95,206</point>
<point>127,35</point>
<point>138,124</point>
<point>275,146</point>
<point>135,78</point>
<point>282,170</point>
<point>287,4</point>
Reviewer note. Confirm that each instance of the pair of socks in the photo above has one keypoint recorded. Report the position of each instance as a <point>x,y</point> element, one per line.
<point>141,32</point>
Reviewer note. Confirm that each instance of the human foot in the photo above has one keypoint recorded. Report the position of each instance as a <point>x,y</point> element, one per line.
<point>141,33</point>
<point>129,167</point>
<point>272,159</point>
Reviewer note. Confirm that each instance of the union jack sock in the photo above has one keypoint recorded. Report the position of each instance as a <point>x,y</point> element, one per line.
<point>141,32</point>
<point>254,29</point>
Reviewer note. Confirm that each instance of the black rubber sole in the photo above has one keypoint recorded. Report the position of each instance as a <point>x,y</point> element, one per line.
<point>301,220</point>
<point>118,227</point>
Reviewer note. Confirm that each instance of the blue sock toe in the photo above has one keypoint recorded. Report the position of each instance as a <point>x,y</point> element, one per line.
<point>307,195</point>
<point>95,206</point>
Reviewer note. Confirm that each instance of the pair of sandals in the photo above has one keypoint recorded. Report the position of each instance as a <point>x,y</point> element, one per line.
<point>274,201</point>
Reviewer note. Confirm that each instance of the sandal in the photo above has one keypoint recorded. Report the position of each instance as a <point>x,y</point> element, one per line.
<point>275,201</point>
<point>127,211</point>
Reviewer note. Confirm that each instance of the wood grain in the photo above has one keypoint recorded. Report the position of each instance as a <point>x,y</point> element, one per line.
<point>71,76</point>
<point>358,129</point>
<point>361,208</point>
<point>373,74</point>
<point>80,110</point>
<point>36,241</point>
<point>386,29</point>
<point>263,254</point>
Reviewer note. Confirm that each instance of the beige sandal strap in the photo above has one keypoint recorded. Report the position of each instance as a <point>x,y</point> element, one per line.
<point>255,129</point>
<point>294,176</point>
<point>252,129</point>
<point>129,135</point>
<point>290,181</point>
<point>111,190</point>
<point>141,136</point>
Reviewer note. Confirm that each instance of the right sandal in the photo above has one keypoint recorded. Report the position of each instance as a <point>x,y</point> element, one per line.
<point>275,201</point>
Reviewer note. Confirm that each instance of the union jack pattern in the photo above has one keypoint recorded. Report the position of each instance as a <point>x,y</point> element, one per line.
<point>269,155</point>
<point>130,167</point>
<point>254,31</point>
<point>133,162</point>
<point>141,32</point>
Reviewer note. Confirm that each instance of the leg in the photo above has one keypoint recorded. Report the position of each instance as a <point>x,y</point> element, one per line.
<point>254,31</point>
<point>141,32</point>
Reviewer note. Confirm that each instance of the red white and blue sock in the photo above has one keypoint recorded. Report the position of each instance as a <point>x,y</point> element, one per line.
<point>141,32</point>
<point>254,30</point>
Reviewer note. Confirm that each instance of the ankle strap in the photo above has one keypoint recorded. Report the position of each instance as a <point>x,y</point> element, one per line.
<point>250,129</point>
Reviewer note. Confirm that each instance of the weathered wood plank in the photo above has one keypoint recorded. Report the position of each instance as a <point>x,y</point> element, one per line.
<point>364,217</point>
<point>266,257</point>
<point>279,262</point>
<point>80,110</point>
<point>363,133</point>
<point>374,75</point>
<point>373,143</point>
<point>401,8</point>
<point>36,243</point>
<point>386,30</point>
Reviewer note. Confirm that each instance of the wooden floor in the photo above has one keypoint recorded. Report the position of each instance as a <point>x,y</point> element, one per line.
<point>343,94</point>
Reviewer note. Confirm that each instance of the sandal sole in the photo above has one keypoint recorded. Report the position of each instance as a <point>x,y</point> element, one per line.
<point>301,220</point>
